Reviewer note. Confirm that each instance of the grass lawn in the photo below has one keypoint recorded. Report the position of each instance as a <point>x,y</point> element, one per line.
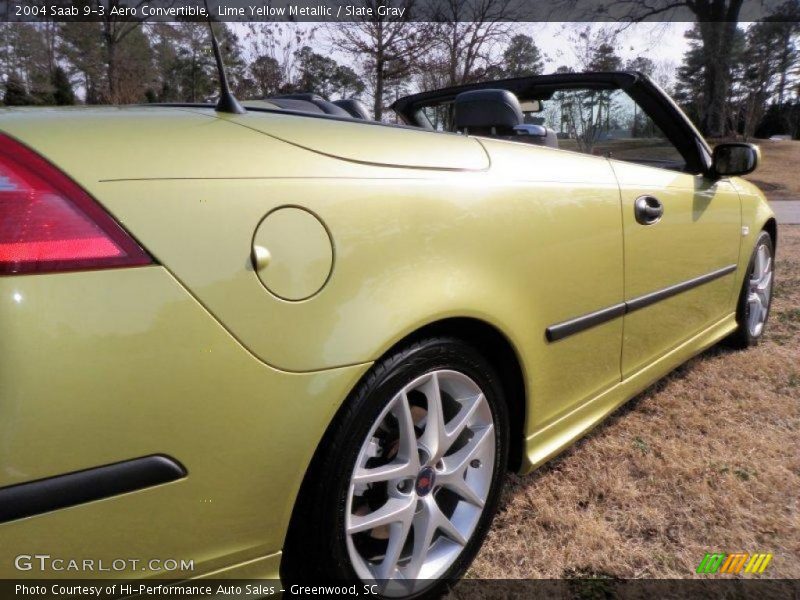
<point>778,176</point>
<point>708,459</point>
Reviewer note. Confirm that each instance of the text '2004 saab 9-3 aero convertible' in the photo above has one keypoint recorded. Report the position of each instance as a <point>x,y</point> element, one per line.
<point>293,342</point>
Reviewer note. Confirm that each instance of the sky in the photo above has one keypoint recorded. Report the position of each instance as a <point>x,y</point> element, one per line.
<point>661,42</point>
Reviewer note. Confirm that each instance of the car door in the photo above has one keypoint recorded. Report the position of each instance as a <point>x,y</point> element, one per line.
<point>682,231</point>
<point>681,228</point>
<point>681,234</point>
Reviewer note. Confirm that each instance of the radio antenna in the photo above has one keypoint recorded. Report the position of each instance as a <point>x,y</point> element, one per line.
<point>227,103</point>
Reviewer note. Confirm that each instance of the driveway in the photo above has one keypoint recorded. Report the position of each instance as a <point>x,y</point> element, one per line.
<point>787,211</point>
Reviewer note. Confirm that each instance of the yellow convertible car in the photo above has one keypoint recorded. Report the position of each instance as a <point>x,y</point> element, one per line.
<point>293,342</point>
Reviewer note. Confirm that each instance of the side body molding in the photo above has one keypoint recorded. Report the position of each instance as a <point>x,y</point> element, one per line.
<point>567,328</point>
<point>46,495</point>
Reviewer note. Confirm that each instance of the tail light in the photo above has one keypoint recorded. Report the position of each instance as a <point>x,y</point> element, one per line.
<point>48,223</point>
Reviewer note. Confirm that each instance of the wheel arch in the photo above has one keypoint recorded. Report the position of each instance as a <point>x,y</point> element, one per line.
<point>493,344</point>
<point>498,349</point>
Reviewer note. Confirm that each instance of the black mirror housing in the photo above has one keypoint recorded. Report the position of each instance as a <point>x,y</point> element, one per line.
<point>735,158</point>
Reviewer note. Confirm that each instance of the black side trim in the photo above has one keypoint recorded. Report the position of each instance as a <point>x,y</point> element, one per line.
<point>673,290</point>
<point>567,328</point>
<point>62,491</point>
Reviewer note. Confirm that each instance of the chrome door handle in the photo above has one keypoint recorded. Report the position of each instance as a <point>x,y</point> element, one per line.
<point>648,210</point>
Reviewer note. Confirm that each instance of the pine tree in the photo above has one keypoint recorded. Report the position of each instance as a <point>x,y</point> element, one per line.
<point>522,57</point>
<point>63,94</point>
<point>605,59</point>
<point>16,93</point>
<point>689,89</point>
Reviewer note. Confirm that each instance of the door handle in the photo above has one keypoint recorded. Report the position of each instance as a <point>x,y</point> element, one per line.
<point>648,210</point>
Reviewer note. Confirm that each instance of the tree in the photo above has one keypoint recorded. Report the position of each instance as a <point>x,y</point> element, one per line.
<point>113,32</point>
<point>716,32</point>
<point>641,64</point>
<point>347,83</point>
<point>194,68</point>
<point>466,32</point>
<point>587,112</point>
<point>387,50</point>
<point>781,119</point>
<point>522,57</point>
<point>717,40</point>
<point>24,52</point>
<point>592,46</point>
<point>267,75</point>
<point>275,47</point>
<point>63,94</point>
<point>164,44</point>
<point>762,78</point>
<point>16,94</point>
<point>754,80</point>
<point>605,59</point>
<point>134,69</point>
<point>81,47</point>
<point>324,76</point>
<point>785,28</point>
<point>236,66</point>
<point>689,90</point>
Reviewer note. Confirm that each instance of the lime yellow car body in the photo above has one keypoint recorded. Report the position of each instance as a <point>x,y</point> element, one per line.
<point>193,357</point>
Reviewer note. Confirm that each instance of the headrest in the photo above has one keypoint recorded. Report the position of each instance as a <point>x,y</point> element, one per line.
<point>329,108</point>
<point>487,108</point>
<point>354,107</point>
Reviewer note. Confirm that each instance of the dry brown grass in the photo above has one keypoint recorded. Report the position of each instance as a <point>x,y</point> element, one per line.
<point>707,459</point>
<point>778,175</point>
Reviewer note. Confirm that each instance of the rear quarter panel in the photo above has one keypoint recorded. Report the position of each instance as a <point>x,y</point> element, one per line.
<point>105,366</point>
<point>533,241</point>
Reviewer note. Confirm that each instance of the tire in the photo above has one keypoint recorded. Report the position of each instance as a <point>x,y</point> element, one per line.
<point>756,294</point>
<point>348,485</point>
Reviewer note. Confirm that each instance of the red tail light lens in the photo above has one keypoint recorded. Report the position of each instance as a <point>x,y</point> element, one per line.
<point>48,223</point>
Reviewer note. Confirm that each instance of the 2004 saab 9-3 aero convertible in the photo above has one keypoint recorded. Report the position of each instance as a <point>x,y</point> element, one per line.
<point>296,342</point>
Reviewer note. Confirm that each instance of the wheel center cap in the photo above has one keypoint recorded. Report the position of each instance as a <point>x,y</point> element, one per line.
<point>425,481</point>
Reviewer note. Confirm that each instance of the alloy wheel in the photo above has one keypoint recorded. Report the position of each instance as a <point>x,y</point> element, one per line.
<point>420,482</point>
<point>759,290</point>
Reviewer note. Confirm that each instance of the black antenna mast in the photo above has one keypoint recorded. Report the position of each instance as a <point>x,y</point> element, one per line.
<point>227,103</point>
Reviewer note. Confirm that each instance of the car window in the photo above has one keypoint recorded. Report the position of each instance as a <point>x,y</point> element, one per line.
<point>440,116</point>
<point>602,122</point>
<point>606,123</point>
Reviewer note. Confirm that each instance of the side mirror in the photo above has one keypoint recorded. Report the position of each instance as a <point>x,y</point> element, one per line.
<point>530,129</point>
<point>735,158</point>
